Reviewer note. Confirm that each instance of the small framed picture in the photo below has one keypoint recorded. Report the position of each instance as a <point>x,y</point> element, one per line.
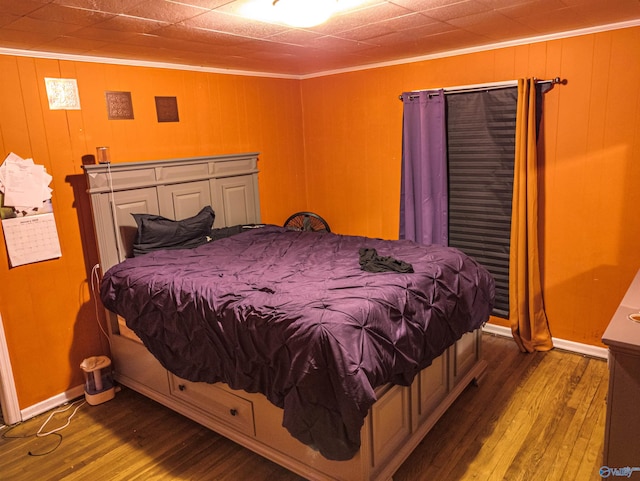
<point>119,105</point>
<point>167,109</point>
<point>62,93</point>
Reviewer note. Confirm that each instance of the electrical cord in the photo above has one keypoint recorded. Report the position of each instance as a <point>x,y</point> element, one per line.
<point>39,434</point>
<point>78,405</point>
<point>114,214</point>
<point>95,284</point>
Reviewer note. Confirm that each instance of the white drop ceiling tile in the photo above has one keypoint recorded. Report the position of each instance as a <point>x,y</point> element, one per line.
<point>126,51</point>
<point>128,24</point>
<point>418,5</point>
<point>562,19</point>
<point>611,3</point>
<point>525,9</point>
<point>603,11</point>
<point>147,40</point>
<point>416,36</point>
<point>366,32</point>
<point>70,15</point>
<point>454,39</point>
<point>498,4</point>
<point>332,44</point>
<point>492,25</point>
<point>233,8</point>
<point>361,16</point>
<point>110,37</point>
<point>199,35</point>
<point>26,39</point>
<point>433,28</point>
<point>295,36</point>
<point>20,7</point>
<point>110,6</point>
<point>44,27</point>
<point>70,44</point>
<point>164,11</point>
<point>208,4</point>
<point>7,18</point>
<point>389,52</point>
<point>407,22</point>
<point>214,20</point>
<point>456,10</point>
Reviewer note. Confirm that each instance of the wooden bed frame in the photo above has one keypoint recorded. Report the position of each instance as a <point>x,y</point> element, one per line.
<point>179,188</point>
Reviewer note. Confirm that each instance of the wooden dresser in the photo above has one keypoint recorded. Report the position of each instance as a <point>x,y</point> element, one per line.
<point>622,430</point>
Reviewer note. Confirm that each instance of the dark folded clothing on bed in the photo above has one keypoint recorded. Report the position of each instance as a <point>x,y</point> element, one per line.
<point>224,232</point>
<point>370,261</point>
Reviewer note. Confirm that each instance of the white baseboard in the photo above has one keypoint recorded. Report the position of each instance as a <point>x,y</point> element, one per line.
<point>52,402</point>
<point>576,347</point>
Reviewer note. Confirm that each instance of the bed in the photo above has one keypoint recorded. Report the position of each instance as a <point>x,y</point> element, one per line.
<point>331,355</point>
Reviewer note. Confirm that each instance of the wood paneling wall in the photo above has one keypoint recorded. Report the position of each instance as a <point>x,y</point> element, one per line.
<point>330,144</point>
<point>47,308</point>
<point>590,165</point>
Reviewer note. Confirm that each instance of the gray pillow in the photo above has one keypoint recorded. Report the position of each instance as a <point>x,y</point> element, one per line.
<point>156,232</point>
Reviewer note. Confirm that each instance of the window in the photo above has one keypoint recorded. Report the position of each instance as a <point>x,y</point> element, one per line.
<point>481,151</point>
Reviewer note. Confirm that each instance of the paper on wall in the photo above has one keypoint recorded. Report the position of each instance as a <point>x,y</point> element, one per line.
<point>24,183</point>
<point>25,208</point>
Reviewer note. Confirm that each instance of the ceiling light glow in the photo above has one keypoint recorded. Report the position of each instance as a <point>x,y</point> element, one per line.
<point>306,13</point>
<point>296,13</point>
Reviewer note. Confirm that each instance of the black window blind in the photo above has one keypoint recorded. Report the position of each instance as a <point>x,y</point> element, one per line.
<point>481,151</point>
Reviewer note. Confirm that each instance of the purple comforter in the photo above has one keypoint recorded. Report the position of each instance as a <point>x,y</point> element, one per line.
<point>292,315</point>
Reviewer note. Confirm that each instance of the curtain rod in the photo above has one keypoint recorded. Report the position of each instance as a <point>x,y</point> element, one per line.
<point>490,86</point>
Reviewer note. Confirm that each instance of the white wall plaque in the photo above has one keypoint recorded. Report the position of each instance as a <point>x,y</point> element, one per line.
<point>62,93</point>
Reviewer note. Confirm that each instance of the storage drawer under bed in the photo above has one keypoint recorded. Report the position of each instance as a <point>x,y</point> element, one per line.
<point>216,400</point>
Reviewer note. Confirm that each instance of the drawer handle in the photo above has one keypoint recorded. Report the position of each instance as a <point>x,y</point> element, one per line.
<point>182,387</point>
<point>233,412</point>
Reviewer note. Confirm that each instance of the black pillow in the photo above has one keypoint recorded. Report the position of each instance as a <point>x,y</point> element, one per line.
<point>156,232</point>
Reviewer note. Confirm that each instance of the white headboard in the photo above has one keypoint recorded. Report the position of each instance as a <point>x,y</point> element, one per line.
<point>176,189</point>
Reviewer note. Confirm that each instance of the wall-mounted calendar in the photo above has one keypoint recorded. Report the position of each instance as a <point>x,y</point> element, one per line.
<point>31,239</point>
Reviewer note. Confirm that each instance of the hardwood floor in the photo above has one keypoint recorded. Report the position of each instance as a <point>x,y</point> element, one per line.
<point>532,417</point>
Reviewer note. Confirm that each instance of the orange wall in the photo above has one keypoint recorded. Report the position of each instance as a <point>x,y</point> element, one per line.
<point>47,308</point>
<point>331,145</point>
<point>590,223</point>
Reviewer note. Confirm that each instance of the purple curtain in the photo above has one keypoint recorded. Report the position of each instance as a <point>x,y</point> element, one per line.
<point>423,194</point>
